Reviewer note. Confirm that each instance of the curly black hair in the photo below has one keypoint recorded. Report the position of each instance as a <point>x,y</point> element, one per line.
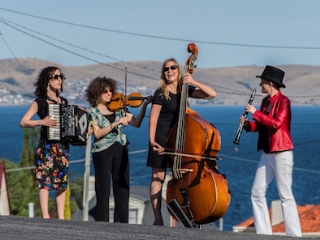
<point>97,86</point>
<point>43,80</point>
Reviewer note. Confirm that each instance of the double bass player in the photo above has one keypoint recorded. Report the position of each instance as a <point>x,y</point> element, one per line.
<point>164,113</point>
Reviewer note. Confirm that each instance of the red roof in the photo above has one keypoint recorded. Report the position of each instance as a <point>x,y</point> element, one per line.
<point>309,219</point>
<point>5,205</point>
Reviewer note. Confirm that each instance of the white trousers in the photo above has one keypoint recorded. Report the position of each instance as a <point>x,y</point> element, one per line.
<point>278,166</point>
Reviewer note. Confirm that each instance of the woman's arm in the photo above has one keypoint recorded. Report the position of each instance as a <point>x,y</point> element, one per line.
<point>280,116</point>
<point>202,90</point>
<point>101,132</point>
<point>136,121</point>
<point>154,116</point>
<point>26,121</point>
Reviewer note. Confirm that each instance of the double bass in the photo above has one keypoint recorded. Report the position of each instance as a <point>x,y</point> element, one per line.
<point>197,193</point>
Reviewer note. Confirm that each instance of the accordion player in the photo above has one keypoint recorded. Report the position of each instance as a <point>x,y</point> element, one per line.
<point>73,123</point>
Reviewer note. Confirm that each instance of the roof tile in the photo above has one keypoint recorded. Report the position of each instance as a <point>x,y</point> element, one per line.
<point>309,219</point>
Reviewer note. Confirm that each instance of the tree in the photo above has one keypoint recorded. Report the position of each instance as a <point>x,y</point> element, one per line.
<point>76,194</point>
<point>19,191</point>
<point>27,157</point>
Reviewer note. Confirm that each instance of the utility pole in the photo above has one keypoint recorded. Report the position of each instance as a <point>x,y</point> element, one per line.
<point>85,212</point>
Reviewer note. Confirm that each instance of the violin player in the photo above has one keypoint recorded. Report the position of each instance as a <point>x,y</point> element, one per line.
<point>272,122</point>
<point>110,148</point>
<point>163,114</point>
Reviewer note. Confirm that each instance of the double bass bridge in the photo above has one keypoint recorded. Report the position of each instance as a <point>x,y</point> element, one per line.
<point>178,173</point>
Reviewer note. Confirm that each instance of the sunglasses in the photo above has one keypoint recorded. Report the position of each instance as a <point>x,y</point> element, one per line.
<point>166,69</point>
<point>107,90</point>
<point>56,77</point>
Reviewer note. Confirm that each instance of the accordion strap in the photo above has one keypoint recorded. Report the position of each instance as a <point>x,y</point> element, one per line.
<point>52,100</point>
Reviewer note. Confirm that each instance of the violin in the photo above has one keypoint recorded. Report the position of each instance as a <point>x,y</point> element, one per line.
<point>120,101</point>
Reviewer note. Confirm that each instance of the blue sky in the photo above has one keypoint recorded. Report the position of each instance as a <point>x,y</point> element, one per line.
<point>138,30</point>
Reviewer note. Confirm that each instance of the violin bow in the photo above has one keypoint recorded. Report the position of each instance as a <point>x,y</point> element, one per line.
<point>186,154</point>
<point>125,90</point>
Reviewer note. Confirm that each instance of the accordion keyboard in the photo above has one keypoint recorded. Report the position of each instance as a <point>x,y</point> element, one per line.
<point>54,133</point>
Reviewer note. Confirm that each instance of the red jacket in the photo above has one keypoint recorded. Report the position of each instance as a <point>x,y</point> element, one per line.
<point>277,121</point>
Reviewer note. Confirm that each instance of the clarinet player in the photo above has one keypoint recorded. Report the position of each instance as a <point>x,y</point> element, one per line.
<point>272,122</point>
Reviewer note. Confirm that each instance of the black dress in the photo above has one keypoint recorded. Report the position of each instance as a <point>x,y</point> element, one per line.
<point>167,118</point>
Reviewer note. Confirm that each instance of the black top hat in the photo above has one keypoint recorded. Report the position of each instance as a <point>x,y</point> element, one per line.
<point>274,75</point>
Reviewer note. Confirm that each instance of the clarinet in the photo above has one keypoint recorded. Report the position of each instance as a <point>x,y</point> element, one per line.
<point>245,114</point>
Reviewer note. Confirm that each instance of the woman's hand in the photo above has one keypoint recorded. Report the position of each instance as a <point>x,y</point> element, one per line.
<point>242,119</point>
<point>149,100</point>
<point>250,109</point>
<point>49,121</point>
<point>156,147</point>
<point>90,131</point>
<point>189,79</point>
<point>123,121</point>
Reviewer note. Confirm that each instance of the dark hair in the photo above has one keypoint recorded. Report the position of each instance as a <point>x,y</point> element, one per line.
<point>97,86</point>
<point>43,80</point>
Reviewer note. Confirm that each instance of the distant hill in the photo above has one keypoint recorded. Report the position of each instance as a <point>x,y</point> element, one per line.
<point>233,84</point>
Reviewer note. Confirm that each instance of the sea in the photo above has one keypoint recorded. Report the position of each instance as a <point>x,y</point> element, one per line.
<point>238,162</point>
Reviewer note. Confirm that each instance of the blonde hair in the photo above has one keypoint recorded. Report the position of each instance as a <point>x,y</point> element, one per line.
<point>162,82</point>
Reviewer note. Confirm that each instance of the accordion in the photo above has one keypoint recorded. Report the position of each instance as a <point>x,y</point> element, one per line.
<point>72,126</point>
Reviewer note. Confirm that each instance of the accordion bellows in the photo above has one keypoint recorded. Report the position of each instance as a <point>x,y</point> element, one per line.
<point>73,124</point>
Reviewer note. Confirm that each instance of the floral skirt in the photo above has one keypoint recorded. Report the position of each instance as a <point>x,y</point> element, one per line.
<point>52,165</point>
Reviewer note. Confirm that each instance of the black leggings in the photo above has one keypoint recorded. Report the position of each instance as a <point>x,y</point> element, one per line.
<point>112,162</point>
